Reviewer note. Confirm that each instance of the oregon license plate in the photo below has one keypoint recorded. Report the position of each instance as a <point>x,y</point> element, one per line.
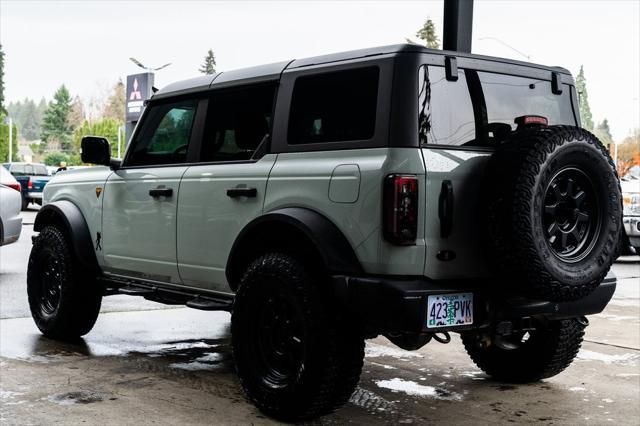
<point>447,310</point>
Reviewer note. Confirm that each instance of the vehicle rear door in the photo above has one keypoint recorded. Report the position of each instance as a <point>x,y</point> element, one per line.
<point>141,198</point>
<point>226,189</point>
<point>461,120</point>
<point>454,169</point>
<point>39,179</point>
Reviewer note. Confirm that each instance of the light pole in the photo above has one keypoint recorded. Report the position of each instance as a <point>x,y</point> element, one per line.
<point>8,120</point>
<point>508,46</point>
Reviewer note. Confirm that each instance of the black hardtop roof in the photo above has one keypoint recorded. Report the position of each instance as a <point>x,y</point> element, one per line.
<point>272,71</point>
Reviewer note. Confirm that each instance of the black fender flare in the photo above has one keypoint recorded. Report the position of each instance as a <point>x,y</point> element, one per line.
<point>336,253</point>
<point>68,216</point>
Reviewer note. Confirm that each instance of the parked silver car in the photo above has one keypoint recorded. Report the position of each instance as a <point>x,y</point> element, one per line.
<point>10,204</point>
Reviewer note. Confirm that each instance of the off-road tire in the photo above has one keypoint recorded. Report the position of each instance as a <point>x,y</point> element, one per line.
<point>546,353</point>
<point>73,297</point>
<point>332,349</point>
<point>521,175</point>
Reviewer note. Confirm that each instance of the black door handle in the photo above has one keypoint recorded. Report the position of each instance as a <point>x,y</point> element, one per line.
<point>161,192</point>
<point>445,208</point>
<point>241,192</point>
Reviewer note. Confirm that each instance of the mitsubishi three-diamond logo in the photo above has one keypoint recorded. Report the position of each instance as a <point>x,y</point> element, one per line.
<point>135,94</point>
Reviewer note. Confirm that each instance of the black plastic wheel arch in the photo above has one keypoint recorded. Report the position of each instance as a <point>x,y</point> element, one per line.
<point>335,251</point>
<point>69,217</point>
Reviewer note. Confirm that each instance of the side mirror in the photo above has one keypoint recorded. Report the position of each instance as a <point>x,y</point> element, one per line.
<point>96,150</point>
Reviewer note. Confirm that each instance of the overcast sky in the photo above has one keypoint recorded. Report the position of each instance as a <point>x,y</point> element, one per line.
<point>86,44</point>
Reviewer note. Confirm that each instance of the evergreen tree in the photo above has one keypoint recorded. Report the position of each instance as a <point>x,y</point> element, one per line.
<point>428,34</point>
<point>603,132</point>
<point>2,109</point>
<point>29,124</point>
<point>209,64</point>
<point>585,110</point>
<point>4,140</point>
<point>107,127</point>
<point>55,123</point>
<point>115,104</point>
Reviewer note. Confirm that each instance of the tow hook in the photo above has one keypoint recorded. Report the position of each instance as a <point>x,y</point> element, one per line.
<point>583,321</point>
<point>442,337</point>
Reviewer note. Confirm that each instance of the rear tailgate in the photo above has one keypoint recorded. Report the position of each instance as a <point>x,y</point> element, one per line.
<point>38,183</point>
<point>456,252</point>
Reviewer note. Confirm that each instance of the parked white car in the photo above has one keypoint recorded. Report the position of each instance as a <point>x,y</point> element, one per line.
<point>10,205</point>
<point>631,202</point>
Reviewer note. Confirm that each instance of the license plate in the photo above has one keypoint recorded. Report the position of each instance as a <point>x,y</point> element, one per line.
<point>447,310</point>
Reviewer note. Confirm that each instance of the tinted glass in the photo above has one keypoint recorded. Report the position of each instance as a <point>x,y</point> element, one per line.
<point>39,170</point>
<point>445,114</point>
<point>237,122</point>
<point>508,97</point>
<point>17,169</point>
<point>165,134</point>
<point>332,107</point>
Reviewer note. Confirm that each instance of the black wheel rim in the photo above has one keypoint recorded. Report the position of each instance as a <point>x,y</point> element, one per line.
<point>280,341</point>
<point>50,284</point>
<point>571,215</point>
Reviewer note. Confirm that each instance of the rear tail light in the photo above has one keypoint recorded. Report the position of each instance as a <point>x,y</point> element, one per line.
<point>15,186</point>
<point>30,184</point>
<point>400,209</point>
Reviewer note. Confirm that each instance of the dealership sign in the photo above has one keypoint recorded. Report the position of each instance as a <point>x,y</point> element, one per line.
<point>138,90</point>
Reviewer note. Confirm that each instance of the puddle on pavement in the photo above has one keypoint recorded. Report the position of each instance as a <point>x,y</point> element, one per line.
<point>77,397</point>
<point>203,339</point>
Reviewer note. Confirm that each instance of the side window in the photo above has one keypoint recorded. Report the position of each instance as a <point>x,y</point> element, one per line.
<point>445,112</point>
<point>238,121</point>
<point>332,107</point>
<point>17,169</point>
<point>165,134</point>
<point>39,170</point>
<point>508,97</point>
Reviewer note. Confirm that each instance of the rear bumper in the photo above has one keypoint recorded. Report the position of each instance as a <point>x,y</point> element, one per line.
<point>391,304</point>
<point>11,230</point>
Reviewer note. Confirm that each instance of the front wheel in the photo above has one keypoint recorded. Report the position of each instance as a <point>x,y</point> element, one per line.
<point>63,297</point>
<point>296,360</point>
<point>528,356</point>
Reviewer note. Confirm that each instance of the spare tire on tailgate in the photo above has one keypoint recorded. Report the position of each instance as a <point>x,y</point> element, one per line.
<point>554,212</point>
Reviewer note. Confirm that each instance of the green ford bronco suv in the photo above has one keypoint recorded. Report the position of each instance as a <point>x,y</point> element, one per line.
<point>395,191</point>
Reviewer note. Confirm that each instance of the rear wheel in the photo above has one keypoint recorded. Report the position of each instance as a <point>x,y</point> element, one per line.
<point>295,358</point>
<point>528,356</point>
<point>63,297</point>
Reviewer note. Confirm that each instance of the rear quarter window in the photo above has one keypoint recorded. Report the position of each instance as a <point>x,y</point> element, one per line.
<point>333,107</point>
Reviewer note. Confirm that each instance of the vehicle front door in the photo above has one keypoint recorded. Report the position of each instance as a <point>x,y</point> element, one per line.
<point>226,190</point>
<point>140,199</point>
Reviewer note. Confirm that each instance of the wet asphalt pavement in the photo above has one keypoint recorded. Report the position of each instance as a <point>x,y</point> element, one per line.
<point>146,363</point>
